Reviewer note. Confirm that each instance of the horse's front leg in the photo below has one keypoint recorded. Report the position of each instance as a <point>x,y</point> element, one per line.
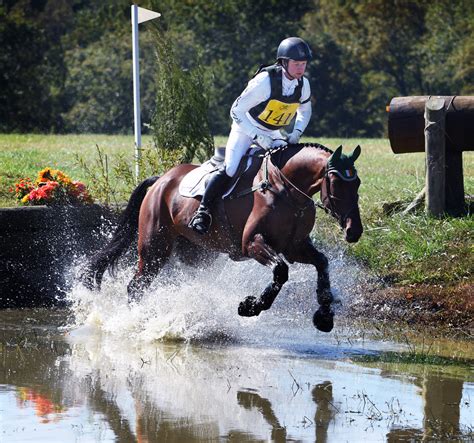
<point>261,251</point>
<point>305,252</point>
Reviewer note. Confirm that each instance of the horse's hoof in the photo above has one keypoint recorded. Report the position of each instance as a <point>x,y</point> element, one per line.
<point>249,307</point>
<point>323,319</point>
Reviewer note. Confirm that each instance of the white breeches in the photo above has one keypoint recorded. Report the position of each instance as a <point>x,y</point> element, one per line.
<point>237,146</point>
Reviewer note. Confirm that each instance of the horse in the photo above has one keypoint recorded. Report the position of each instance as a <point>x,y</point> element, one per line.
<point>269,222</point>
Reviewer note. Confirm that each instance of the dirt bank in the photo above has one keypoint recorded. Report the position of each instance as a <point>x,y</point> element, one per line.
<point>448,308</point>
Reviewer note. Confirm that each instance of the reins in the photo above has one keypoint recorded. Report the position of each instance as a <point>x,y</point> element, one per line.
<point>265,184</point>
<point>330,197</point>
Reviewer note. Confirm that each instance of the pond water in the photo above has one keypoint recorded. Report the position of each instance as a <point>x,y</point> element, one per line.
<point>181,366</point>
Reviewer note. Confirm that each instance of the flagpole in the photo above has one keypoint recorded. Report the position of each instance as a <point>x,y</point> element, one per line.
<point>136,92</point>
<point>139,15</point>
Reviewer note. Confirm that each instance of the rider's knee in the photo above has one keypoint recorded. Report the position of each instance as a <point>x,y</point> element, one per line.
<point>230,170</point>
<point>222,171</point>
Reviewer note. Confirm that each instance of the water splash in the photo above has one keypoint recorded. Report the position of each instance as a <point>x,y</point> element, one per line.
<point>193,304</point>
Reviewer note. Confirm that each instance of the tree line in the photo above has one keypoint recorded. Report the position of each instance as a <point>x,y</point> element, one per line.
<point>65,65</point>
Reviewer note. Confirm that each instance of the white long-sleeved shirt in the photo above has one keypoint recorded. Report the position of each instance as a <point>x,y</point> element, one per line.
<point>257,91</point>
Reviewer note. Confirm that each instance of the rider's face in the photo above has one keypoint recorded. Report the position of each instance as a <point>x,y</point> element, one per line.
<point>296,68</point>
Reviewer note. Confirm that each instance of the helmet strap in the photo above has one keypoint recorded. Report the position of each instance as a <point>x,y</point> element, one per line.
<point>284,64</point>
<point>285,68</point>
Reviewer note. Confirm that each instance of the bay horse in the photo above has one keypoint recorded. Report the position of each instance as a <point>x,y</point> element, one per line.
<point>270,222</point>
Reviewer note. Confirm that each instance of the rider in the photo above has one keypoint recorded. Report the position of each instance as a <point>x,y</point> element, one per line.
<point>270,102</point>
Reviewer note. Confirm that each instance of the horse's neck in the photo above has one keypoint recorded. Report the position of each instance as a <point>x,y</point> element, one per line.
<point>305,169</point>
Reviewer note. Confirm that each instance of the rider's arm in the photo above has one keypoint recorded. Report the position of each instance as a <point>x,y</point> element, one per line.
<point>257,91</point>
<point>303,114</point>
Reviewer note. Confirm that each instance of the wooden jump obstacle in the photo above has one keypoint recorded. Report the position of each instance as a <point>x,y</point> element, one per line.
<point>443,127</point>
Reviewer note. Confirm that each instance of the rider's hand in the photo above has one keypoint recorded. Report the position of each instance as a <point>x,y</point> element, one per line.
<point>277,143</point>
<point>264,141</point>
<point>294,137</point>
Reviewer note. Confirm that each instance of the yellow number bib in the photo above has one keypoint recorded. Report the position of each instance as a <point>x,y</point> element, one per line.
<point>277,113</point>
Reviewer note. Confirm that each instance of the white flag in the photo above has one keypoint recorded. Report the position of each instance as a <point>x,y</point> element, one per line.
<point>145,14</point>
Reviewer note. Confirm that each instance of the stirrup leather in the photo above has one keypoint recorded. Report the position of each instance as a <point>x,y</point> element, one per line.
<point>201,221</point>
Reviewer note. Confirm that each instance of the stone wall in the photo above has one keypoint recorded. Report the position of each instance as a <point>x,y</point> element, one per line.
<point>39,246</point>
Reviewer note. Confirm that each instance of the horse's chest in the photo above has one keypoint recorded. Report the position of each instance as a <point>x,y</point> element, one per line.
<point>287,223</point>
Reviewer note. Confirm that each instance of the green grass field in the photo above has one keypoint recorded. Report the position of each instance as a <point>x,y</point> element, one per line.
<point>403,249</point>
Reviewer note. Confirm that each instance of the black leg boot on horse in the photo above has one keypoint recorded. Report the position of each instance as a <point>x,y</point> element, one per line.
<point>215,188</point>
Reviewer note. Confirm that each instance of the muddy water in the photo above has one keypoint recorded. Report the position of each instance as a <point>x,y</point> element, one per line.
<point>182,366</point>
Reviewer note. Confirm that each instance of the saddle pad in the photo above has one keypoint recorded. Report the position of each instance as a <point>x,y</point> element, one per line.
<point>194,182</point>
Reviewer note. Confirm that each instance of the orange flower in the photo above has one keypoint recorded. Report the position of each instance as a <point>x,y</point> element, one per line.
<point>52,187</point>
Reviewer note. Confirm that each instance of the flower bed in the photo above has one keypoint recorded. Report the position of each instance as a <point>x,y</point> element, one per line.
<point>53,188</point>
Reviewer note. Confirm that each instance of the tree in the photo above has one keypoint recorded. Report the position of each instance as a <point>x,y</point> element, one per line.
<point>31,65</point>
<point>448,48</point>
<point>180,122</point>
<point>99,89</point>
<point>230,40</point>
<point>379,40</point>
<point>339,94</point>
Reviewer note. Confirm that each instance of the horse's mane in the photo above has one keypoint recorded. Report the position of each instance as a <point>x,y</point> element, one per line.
<point>280,157</point>
<point>314,145</point>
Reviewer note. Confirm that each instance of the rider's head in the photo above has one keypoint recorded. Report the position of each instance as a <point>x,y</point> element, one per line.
<point>293,54</point>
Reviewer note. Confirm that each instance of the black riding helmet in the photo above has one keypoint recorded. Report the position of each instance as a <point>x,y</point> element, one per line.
<point>294,48</point>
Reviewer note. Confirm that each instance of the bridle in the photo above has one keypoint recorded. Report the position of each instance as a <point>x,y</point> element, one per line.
<point>330,207</point>
<point>330,198</point>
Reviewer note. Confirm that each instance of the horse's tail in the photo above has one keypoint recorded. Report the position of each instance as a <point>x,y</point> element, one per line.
<point>123,237</point>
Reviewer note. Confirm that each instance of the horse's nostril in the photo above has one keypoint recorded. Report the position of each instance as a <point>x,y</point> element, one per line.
<point>352,238</point>
<point>352,235</point>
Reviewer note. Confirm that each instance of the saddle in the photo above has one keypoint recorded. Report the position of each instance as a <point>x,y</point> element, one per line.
<point>194,182</point>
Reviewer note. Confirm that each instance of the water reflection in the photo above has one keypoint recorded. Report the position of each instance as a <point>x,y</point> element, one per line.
<point>84,386</point>
<point>45,407</point>
<point>325,411</point>
<point>249,400</point>
<point>442,407</point>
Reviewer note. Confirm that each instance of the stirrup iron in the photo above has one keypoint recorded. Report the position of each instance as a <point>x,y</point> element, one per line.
<point>201,221</point>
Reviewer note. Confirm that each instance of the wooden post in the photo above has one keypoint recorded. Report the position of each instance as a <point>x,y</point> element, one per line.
<point>455,202</point>
<point>435,141</point>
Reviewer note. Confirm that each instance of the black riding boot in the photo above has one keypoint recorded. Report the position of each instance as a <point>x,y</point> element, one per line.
<point>216,186</point>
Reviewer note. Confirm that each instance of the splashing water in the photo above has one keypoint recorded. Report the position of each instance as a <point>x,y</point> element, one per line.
<point>193,304</point>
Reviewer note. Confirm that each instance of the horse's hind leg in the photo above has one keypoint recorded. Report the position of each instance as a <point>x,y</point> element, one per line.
<point>305,252</point>
<point>152,255</point>
<point>264,254</point>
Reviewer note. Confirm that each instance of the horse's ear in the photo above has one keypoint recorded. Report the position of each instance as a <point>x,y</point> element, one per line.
<point>336,155</point>
<point>355,154</point>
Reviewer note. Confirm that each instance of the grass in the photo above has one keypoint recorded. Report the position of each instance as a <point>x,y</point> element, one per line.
<point>23,155</point>
<point>414,358</point>
<point>403,249</point>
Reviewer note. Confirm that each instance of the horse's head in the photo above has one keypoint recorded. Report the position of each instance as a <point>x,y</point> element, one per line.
<point>339,192</point>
